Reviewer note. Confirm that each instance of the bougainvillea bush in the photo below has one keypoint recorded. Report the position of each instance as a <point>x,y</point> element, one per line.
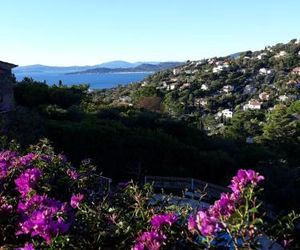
<point>46,203</point>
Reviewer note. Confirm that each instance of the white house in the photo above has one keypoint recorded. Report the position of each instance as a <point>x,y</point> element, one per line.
<point>283,98</point>
<point>218,69</point>
<point>164,84</point>
<point>282,53</point>
<point>172,86</point>
<point>228,88</point>
<point>199,63</point>
<point>260,56</point>
<point>125,99</point>
<point>295,83</point>
<point>269,48</point>
<point>211,60</point>
<point>176,71</point>
<point>226,65</point>
<point>185,86</point>
<point>173,79</point>
<point>204,87</point>
<point>264,71</point>
<point>296,71</point>
<point>201,101</point>
<point>264,96</point>
<point>253,105</point>
<point>145,83</point>
<point>227,113</point>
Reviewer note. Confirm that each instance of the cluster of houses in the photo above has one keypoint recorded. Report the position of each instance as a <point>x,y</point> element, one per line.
<point>173,82</point>
<point>185,76</point>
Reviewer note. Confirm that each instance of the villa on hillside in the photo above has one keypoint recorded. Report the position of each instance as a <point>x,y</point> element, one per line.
<point>264,96</point>
<point>227,113</point>
<point>228,88</point>
<point>201,102</point>
<point>204,87</point>
<point>281,54</point>
<point>6,86</point>
<point>264,71</point>
<point>295,83</point>
<point>252,104</point>
<point>283,98</point>
<point>261,56</point>
<point>296,71</point>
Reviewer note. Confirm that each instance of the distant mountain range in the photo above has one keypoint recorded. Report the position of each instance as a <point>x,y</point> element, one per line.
<point>145,67</point>
<point>107,67</point>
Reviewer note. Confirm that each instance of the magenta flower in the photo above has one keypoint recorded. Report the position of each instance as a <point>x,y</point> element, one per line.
<point>28,246</point>
<point>72,174</point>
<point>151,240</point>
<point>244,178</point>
<point>192,225</point>
<point>224,207</point>
<point>76,200</point>
<point>158,221</point>
<point>210,221</point>
<point>42,216</point>
<point>27,159</point>
<point>7,161</point>
<point>207,225</point>
<point>26,181</point>
<point>3,169</point>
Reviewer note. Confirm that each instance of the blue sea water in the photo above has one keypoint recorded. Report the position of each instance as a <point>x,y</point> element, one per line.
<point>96,81</point>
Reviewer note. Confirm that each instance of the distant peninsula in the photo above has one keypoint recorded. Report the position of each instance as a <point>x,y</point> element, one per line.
<point>145,67</point>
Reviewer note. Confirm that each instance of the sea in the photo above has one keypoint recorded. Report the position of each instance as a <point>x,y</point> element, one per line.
<point>96,81</point>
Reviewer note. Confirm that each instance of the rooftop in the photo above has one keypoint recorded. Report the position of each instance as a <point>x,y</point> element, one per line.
<point>6,65</point>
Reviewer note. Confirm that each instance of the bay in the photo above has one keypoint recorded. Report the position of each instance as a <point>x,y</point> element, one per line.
<point>96,81</point>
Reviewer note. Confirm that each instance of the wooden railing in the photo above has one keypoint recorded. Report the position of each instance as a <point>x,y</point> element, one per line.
<point>178,183</point>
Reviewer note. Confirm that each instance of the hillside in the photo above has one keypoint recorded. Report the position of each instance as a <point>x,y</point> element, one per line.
<point>213,92</point>
<point>207,119</point>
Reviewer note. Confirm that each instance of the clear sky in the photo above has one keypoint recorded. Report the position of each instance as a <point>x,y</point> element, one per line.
<point>87,32</point>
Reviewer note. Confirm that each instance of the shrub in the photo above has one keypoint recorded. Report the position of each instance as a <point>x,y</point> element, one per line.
<point>46,203</point>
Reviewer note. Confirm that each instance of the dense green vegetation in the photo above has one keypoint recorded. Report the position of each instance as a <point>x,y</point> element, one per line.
<point>151,128</point>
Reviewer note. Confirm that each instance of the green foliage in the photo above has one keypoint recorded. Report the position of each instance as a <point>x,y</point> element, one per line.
<point>32,94</point>
<point>244,124</point>
<point>280,127</point>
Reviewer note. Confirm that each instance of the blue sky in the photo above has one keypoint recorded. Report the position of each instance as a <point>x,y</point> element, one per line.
<point>86,32</point>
